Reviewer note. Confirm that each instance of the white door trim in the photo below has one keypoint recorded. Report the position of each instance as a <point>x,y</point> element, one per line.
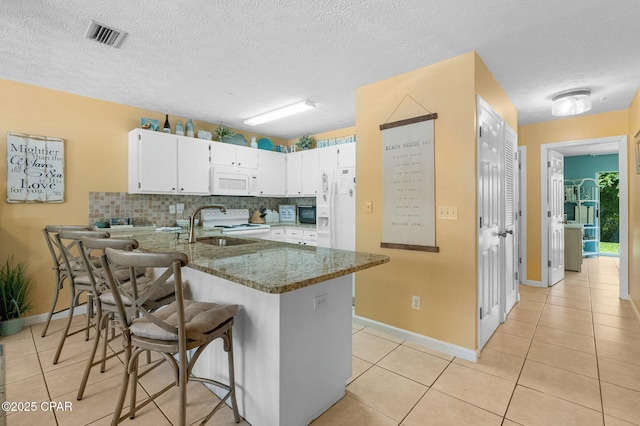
<point>522,236</point>
<point>624,205</point>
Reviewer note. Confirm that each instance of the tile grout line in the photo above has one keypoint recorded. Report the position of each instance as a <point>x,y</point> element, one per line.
<point>504,417</point>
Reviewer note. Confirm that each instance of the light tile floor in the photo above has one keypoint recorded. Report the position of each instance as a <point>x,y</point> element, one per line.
<point>569,355</point>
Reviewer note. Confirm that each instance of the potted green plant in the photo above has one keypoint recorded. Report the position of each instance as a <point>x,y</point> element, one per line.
<point>15,284</point>
<point>224,132</point>
<point>305,142</point>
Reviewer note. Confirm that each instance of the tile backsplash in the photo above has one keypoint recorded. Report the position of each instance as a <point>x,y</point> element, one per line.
<point>146,209</point>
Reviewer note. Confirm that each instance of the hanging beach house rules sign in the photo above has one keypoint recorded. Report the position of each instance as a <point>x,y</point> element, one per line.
<point>35,169</point>
<point>408,186</point>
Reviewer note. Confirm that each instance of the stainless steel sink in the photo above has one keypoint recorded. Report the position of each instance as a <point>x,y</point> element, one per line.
<point>224,241</point>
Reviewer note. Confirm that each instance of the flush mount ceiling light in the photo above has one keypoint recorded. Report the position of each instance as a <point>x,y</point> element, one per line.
<point>572,102</point>
<point>280,112</point>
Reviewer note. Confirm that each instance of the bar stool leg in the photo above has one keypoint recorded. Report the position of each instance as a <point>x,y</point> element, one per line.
<point>72,305</point>
<point>53,304</point>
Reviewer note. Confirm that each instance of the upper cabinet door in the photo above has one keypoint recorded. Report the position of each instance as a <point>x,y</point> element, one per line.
<point>346,155</point>
<point>309,172</point>
<point>272,174</point>
<point>223,154</point>
<point>193,166</point>
<point>152,162</point>
<point>294,174</point>
<point>328,158</point>
<point>247,157</point>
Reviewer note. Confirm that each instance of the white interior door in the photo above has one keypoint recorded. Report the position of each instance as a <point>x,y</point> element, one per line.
<point>555,215</point>
<point>490,218</point>
<point>510,232</point>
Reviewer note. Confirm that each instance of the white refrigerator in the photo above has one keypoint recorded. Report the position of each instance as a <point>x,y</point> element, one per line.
<point>336,209</point>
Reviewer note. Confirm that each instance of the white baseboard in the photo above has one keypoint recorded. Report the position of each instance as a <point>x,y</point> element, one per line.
<point>37,319</point>
<point>534,283</point>
<point>426,341</point>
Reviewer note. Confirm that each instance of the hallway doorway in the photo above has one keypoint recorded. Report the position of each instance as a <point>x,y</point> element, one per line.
<point>616,144</point>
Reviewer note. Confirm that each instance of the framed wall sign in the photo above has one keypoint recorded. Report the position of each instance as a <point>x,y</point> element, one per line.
<point>408,187</point>
<point>35,169</point>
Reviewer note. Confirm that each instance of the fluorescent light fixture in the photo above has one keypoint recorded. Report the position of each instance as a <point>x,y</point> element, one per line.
<point>572,102</point>
<point>281,112</point>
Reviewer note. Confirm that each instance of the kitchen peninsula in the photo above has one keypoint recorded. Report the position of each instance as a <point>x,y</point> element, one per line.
<point>292,334</point>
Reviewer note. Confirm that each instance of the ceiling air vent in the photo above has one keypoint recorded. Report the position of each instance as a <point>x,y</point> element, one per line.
<point>105,35</point>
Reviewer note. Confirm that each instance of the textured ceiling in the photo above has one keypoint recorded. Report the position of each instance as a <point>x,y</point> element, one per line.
<point>228,60</point>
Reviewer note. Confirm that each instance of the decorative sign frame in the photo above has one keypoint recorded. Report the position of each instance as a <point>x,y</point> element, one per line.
<point>408,186</point>
<point>35,169</point>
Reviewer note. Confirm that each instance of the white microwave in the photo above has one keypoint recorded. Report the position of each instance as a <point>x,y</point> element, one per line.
<point>226,180</point>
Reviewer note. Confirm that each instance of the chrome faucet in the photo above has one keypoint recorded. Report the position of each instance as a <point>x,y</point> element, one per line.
<point>192,219</point>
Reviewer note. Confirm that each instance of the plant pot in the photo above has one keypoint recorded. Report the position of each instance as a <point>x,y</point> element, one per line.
<point>10,327</point>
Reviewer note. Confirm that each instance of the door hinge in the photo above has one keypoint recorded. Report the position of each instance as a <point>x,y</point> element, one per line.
<point>480,130</point>
<point>139,185</point>
<point>139,137</point>
<point>480,221</point>
<point>549,264</point>
<point>520,260</point>
<point>516,275</point>
<point>481,312</point>
<point>548,164</point>
<point>549,213</point>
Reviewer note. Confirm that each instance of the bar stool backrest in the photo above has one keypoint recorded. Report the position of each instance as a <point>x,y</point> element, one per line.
<point>68,244</point>
<point>168,270</point>
<point>92,248</point>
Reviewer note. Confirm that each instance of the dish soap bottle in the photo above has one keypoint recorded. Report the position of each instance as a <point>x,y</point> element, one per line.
<point>253,144</point>
<point>167,127</point>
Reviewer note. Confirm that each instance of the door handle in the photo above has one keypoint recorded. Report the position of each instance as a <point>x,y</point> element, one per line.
<point>504,234</point>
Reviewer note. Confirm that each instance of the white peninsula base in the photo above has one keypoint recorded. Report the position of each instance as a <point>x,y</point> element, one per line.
<point>292,350</point>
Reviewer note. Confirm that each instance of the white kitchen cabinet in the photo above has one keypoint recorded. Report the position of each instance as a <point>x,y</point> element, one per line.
<point>193,166</point>
<point>272,173</point>
<point>310,237</point>
<point>337,156</point>
<point>302,236</point>
<point>328,158</point>
<point>302,173</point>
<point>294,236</point>
<point>346,155</point>
<point>294,174</point>
<point>310,172</point>
<point>226,154</point>
<point>161,163</point>
<point>277,234</point>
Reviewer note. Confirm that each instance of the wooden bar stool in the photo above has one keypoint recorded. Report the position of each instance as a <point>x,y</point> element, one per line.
<point>90,249</point>
<point>184,325</point>
<point>78,276</point>
<point>59,266</point>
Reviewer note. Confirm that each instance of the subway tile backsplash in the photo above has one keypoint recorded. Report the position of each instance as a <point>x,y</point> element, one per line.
<point>147,209</point>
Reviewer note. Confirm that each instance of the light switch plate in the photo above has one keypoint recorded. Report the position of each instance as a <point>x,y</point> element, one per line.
<point>448,212</point>
<point>172,209</point>
<point>368,206</point>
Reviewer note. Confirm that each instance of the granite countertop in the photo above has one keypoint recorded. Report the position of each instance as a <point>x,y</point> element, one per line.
<point>268,266</point>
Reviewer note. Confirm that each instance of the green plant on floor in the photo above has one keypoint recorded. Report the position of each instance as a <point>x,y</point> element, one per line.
<point>15,284</point>
<point>305,142</point>
<point>224,132</point>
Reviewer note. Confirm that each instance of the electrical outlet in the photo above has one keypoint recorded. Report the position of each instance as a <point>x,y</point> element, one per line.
<point>415,302</point>
<point>179,208</point>
<point>319,301</point>
<point>368,205</point>
<point>172,209</point>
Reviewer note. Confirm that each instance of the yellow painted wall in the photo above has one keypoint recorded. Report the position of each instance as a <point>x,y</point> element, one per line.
<point>567,129</point>
<point>445,281</point>
<point>634,203</point>
<point>95,134</point>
